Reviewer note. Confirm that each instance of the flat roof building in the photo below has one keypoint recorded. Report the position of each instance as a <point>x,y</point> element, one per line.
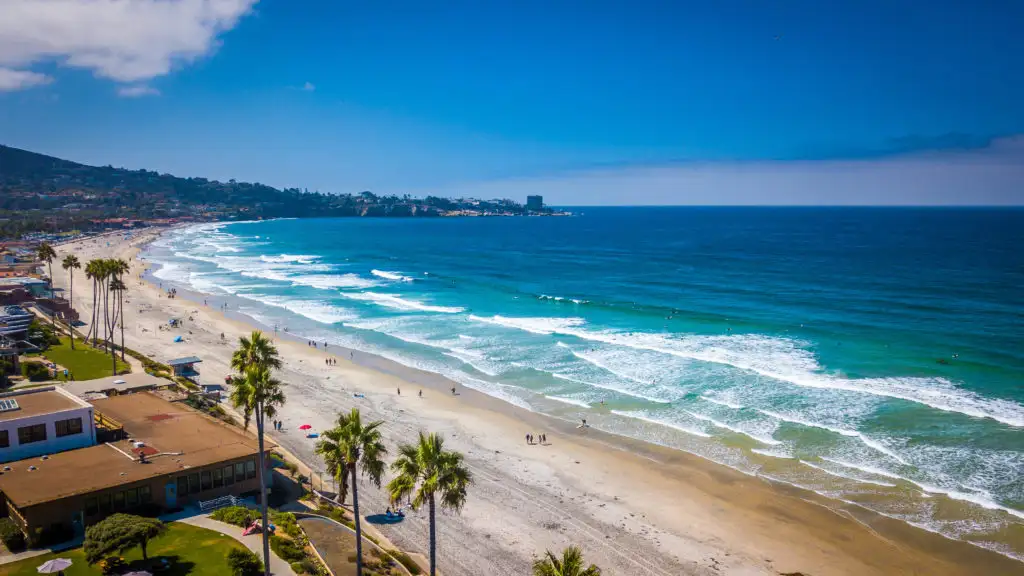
<point>173,456</point>
<point>39,421</point>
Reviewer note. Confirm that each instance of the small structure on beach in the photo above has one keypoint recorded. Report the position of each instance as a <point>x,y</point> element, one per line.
<point>185,367</point>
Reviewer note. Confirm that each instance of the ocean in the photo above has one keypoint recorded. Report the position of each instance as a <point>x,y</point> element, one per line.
<point>872,355</point>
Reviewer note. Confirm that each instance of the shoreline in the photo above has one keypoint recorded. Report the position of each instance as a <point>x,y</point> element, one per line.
<point>687,515</point>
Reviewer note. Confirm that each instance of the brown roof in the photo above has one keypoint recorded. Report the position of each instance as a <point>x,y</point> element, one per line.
<point>180,438</point>
<point>33,402</point>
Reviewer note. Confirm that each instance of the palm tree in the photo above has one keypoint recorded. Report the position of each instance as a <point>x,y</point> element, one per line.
<point>71,263</point>
<point>46,253</point>
<point>118,287</point>
<point>256,350</point>
<point>92,272</point>
<point>119,267</point>
<point>345,446</point>
<point>437,472</point>
<point>257,393</point>
<point>570,564</point>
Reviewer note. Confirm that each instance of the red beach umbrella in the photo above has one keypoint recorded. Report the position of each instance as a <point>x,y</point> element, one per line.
<point>305,427</point>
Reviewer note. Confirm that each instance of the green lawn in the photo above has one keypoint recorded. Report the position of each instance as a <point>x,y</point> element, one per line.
<point>84,362</point>
<point>194,551</point>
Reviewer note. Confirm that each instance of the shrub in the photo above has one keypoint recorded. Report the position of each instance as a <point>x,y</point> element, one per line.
<point>35,371</point>
<point>244,562</point>
<point>406,561</point>
<point>236,515</point>
<point>286,549</point>
<point>298,568</point>
<point>286,522</point>
<point>11,535</point>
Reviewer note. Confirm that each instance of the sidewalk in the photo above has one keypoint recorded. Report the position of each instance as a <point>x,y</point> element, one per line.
<point>253,542</point>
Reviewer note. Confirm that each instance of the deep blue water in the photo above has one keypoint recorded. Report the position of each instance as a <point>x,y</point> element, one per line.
<point>872,355</point>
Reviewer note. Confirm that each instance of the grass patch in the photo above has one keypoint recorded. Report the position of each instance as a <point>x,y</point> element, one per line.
<point>194,551</point>
<point>84,362</point>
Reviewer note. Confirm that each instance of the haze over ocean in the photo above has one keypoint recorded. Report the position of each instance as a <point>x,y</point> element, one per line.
<point>872,355</point>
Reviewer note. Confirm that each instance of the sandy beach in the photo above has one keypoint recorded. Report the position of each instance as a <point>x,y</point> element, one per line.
<point>634,508</point>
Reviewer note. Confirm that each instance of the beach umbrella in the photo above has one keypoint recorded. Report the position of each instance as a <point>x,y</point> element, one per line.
<point>54,566</point>
<point>305,427</point>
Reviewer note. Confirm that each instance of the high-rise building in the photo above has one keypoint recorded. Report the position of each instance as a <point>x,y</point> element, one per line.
<point>535,203</point>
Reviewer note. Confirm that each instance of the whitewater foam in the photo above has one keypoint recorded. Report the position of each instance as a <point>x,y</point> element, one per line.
<point>722,403</point>
<point>314,310</point>
<point>874,444</point>
<point>330,281</point>
<point>846,476</point>
<point>761,439</point>
<point>395,301</point>
<point>537,325</point>
<point>394,276</point>
<point>567,400</point>
<point>644,417</point>
<point>618,389</point>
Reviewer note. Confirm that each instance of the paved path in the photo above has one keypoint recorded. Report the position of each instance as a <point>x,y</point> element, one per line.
<point>253,542</point>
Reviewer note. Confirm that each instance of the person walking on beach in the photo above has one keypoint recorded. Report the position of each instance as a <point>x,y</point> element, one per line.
<point>453,390</point>
<point>421,393</point>
<point>399,391</point>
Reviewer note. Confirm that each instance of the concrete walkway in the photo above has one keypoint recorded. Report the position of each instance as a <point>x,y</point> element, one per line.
<point>253,542</point>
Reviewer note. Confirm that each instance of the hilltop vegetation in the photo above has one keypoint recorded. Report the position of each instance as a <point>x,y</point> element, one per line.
<point>43,193</point>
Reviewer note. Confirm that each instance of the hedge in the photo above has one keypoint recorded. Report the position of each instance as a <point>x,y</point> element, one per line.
<point>11,535</point>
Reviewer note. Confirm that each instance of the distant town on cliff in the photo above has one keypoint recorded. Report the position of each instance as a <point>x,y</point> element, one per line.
<point>43,194</point>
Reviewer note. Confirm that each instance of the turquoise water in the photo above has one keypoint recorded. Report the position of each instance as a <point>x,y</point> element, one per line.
<point>874,356</point>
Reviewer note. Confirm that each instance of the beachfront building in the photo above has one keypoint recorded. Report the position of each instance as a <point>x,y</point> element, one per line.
<point>172,457</point>
<point>43,421</point>
<point>185,367</point>
<point>535,203</point>
<point>14,322</point>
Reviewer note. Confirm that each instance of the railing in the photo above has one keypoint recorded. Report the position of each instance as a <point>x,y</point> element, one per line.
<point>222,502</point>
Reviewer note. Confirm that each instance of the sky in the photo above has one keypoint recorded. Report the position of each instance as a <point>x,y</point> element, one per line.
<point>585,102</point>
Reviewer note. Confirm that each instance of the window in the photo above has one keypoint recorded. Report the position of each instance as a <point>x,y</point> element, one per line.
<point>118,500</point>
<point>207,482</point>
<point>68,427</point>
<point>105,503</point>
<point>218,478</point>
<point>92,506</point>
<point>182,486</point>
<point>250,469</point>
<point>144,494</point>
<point>30,434</point>
<point>229,476</point>
<point>5,439</point>
<point>193,483</point>
<point>132,497</point>
<point>239,471</point>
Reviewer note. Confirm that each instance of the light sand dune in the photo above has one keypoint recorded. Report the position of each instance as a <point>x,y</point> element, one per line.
<point>634,508</point>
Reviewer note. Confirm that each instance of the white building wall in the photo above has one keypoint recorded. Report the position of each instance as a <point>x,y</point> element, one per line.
<point>52,444</point>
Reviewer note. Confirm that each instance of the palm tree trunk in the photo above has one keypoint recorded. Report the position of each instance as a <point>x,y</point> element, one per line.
<point>71,305</point>
<point>433,540</point>
<point>92,334</point>
<point>359,528</point>
<point>53,303</point>
<point>120,296</point>
<point>263,492</point>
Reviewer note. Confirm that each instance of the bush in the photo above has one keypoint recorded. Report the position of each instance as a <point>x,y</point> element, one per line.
<point>298,568</point>
<point>11,535</point>
<point>35,371</point>
<point>244,562</point>
<point>236,515</point>
<point>286,549</point>
<point>406,561</point>
<point>286,522</point>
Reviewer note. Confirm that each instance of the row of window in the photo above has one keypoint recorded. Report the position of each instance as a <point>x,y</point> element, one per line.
<point>201,481</point>
<point>37,432</point>
<point>123,500</point>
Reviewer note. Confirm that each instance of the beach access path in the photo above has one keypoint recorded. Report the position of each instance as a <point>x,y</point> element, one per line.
<point>634,508</point>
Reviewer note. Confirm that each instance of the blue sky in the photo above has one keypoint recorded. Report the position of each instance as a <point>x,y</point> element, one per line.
<point>466,96</point>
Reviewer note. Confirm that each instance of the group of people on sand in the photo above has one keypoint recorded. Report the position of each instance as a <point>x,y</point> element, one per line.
<point>314,344</point>
<point>331,361</point>
<point>538,439</point>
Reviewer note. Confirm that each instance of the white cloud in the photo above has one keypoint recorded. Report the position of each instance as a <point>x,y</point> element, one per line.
<point>308,87</point>
<point>123,40</point>
<point>11,80</point>
<point>137,90</point>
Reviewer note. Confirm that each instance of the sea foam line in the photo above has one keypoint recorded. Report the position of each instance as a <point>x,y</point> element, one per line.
<point>394,276</point>
<point>761,439</point>
<point>874,444</point>
<point>649,420</point>
<point>627,392</point>
<point>394,301</point>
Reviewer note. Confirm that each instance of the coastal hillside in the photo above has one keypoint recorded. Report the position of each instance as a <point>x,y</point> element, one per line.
<point>40,192</point>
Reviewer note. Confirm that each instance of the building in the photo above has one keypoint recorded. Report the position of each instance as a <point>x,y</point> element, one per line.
<point>114,385</point>
<point>37,287</point>
<point>535,203</point>
<point>43,421</point>
<point>173,457</point>
<point>14,322</point>
<point>185,367</point>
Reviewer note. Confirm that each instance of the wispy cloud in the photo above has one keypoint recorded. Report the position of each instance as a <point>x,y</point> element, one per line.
<point>308,87</point>
<point>11,80</point>
<point>137,91</point>
<point>989,176</point>
<point>122,40</point>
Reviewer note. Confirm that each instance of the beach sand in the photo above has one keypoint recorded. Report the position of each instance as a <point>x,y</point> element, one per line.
<point>633,507</point>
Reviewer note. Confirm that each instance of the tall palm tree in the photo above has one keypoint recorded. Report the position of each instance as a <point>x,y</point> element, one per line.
<point>117,287</point>
<point>255,350</point>
<point>92,272</point>
<point>432,472</point>
<point>71,263</point>
<point>570,564</point>
<point>257,394</point>
<point>345,446</point>
<point>46,253</point>
<point>119,268</point>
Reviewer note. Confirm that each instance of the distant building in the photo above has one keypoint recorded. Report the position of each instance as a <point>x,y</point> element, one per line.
<point>41,421</point>
<point>535,203</point>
